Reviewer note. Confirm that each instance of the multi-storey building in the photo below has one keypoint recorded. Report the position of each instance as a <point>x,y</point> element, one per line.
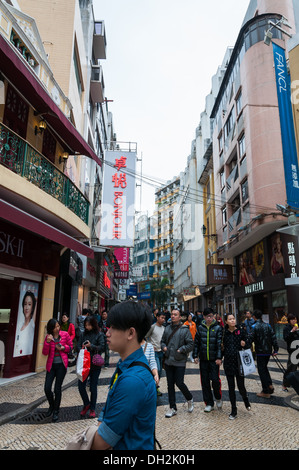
<point>249,168</point>
<point>49,159</point>
<point>143,257</point>
<point>165,201</point>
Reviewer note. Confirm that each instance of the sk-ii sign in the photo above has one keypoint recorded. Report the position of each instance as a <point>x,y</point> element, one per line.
<point>287,127</point>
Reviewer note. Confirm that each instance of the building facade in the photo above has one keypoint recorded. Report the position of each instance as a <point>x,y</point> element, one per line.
<point>50,163</point>
<point>249,169</point>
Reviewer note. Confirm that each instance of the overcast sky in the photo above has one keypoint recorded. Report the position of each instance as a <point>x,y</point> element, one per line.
<point>161,56</point>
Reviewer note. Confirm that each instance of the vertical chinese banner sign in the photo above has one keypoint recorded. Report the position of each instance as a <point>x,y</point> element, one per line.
<point>118,199</point>
<point>287,127</point>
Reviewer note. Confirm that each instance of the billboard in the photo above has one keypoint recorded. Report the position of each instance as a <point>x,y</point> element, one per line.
<point>287,127</point>
<point>118,199</point>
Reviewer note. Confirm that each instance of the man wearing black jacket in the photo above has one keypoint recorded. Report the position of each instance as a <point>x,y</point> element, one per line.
<point>263,336</point>
<point>207,346</point>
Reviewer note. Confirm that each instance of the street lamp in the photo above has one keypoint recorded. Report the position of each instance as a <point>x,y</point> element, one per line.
<point>268,33</point>
<point>204,233</point>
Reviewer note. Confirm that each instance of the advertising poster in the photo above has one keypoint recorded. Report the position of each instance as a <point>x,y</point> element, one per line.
<point>26,319</point>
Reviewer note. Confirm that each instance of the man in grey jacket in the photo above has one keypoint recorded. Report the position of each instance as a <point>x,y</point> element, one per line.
<point>176,344</point>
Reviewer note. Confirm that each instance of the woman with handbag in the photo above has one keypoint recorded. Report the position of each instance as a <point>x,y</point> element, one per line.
<point>94,341</point>
<point>57,345</point>
<point>234,339</point>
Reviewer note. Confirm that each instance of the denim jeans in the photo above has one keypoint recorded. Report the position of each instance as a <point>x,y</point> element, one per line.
<point>94,376</point>
<point>159,357</point>
<point>57,372</point>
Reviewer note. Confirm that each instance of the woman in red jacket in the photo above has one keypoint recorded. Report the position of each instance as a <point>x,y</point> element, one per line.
<point>57,345</point>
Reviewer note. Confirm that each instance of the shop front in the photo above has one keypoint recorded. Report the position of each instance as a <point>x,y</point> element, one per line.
<point>261,284</point>
<point>29,265</point>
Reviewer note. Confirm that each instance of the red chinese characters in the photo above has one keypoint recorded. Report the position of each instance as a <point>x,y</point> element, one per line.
<point>120,181</point>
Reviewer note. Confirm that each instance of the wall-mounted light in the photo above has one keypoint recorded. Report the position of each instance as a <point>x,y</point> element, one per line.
<point>41,127</point>
<point>64,157</point>
<point>204,233</point>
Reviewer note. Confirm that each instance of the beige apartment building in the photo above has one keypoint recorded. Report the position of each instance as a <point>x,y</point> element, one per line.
<point>249,170</point>
<point>50,88</point>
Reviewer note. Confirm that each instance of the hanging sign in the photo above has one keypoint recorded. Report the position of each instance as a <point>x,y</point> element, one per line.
<point>118,201</point>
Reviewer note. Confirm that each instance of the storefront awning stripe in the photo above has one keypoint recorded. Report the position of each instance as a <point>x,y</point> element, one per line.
<point>14,68</point>
<point>27,221</point>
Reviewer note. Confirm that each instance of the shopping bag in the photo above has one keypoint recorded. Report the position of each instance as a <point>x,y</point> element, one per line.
<point>83,364</point>
<point>247,365</point>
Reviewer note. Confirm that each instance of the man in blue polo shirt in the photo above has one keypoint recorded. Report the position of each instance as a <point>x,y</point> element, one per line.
<point>128,419</point>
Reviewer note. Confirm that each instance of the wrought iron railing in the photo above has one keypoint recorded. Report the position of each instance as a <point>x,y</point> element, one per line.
<point>19,156</point>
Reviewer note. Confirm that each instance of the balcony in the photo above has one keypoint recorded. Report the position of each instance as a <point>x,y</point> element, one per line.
<point>97,84</point>
<point>99,40</point>
<point>21,158</point>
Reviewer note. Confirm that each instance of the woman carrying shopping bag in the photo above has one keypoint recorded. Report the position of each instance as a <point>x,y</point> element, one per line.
<point>94,341</point>
<point>234,339</point>
<point>57,346</point>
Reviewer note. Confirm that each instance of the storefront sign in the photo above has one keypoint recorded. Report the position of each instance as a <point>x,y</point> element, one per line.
<point>23,249</point>
<point>118,201</point>
<point>219,274</point>
<point>253,288</point>
<point>11,245</point>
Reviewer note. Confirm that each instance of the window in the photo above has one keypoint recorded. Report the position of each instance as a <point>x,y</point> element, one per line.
<point>78,71</point>
<point>242,146</point>
<point>222,179</point>
<point>220,142</point>
<point>224,215</point>
<point>239,103</point>
<point>244,190</point>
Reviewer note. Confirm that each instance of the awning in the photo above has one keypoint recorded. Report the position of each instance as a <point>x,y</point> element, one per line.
<point>18,72</point>
<point>23,219</point>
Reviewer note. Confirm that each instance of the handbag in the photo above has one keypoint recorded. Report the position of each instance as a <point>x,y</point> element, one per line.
<point>246,362</point>
<point>82,440</point>
<point>97,360</point>
<point>83,364</point>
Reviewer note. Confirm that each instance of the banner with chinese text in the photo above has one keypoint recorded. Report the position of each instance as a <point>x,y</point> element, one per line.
<point>118,199</point>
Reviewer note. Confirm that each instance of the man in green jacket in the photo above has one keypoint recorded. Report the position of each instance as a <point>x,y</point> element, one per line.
<point>207,347</point>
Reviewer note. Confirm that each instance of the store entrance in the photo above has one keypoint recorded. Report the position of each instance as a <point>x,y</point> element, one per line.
<point>9,297</point>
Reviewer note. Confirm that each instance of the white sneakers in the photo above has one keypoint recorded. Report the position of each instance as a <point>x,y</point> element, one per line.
<point>190,405</point>
<point>209,408</point>
<point>170,412</point>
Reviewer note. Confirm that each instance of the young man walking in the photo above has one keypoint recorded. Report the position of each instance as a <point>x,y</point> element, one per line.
<point>176,344</point>
<point>263,336</point>
<point>207,346</point>
<point>128,419</point>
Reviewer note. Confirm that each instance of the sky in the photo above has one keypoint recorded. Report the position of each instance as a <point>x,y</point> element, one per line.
<point>161,56</point>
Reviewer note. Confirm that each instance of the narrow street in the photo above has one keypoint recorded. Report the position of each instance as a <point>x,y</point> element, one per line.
<point>270,425</point>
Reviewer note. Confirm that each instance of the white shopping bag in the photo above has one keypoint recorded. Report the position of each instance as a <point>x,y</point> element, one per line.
<point>83,364</point>
<point>247,365</point>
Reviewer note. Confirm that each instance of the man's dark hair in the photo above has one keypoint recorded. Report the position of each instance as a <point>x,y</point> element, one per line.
<point>208,311</point>
<point>257,314</point>
<point>130,314</point>
<point>159,314</point>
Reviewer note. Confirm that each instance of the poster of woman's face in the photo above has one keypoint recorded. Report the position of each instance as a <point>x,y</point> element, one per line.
<point>26,319</point>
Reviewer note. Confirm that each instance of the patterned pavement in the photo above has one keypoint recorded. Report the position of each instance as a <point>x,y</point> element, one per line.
<point>272,424</point>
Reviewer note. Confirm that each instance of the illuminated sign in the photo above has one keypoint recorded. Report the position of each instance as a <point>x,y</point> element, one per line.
<point>118,201</point>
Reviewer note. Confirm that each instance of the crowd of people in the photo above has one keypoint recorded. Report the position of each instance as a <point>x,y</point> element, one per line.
<point>147,343</point>
<point>210,341</point>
